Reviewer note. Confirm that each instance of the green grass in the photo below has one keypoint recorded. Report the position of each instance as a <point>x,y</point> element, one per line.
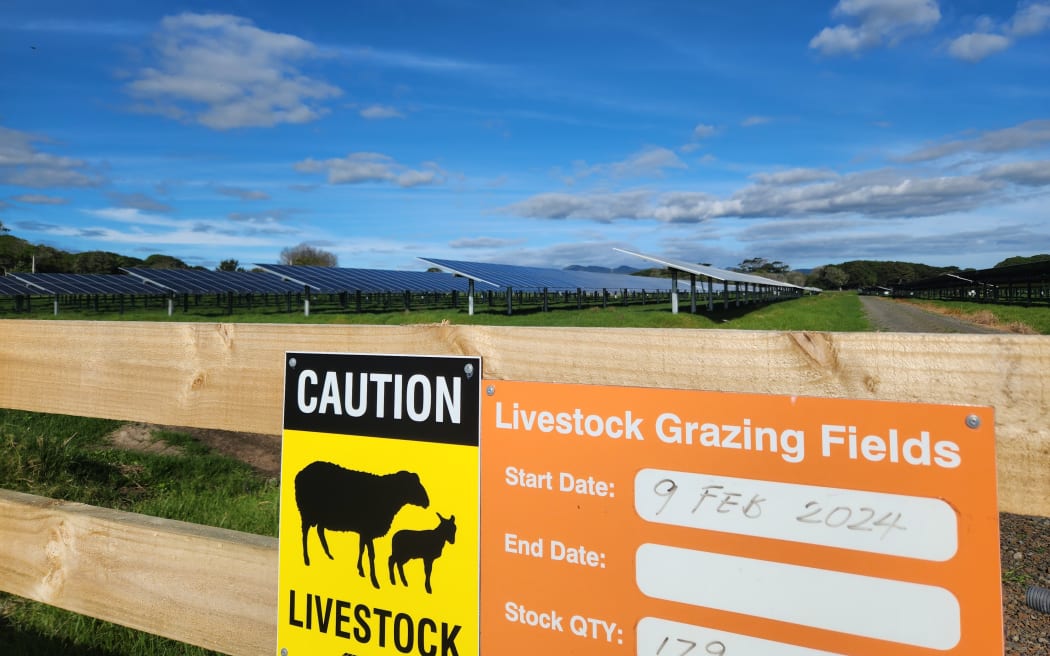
<point>833,311</point>
<point>69,458</point>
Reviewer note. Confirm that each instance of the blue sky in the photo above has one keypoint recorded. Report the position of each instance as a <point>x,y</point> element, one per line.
<point>529,132</point>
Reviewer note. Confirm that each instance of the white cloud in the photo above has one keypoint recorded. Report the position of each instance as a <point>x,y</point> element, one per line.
<point>875,23</point>
<point>648,162</point>
<point>357,168</point>
<point>223,72</point>
<point>793,176</point>
<point>23,164</point>
<point>1028,174</point>
<point>752,121</point>
<point>374,112</point>
<point>241,193</point>
<point>139,201</point>
<point>976,46</point>
<point>703,131</point>
<point>1027,135</point>
<point>878,194</point>
<point>991,37</point>
<point>1031,19</point>
<point>483,242</point>
<point>597,207</point>
<point>40,199</point>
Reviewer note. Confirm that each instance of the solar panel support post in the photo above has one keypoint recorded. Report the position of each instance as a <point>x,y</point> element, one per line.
<point>725,294</point>
<point>546,307</point>
<point>692,293</point>
<point>56,305</point>
<point>710,294</point>
<point>605,298</point>
<point>171,304</point>
<point>357,299</point>
<point>510,301</point>
<point>408,300</point>
<point>579,299</point>
<point>470,296</point>
<point>306,301</point>
<point>624,291</point>
<point>674,291</point>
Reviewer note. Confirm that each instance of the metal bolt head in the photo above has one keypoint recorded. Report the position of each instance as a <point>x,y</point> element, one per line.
<point>973,421</point>
<point>284,651</point>
<point>468,369</point>
<point>490,390</point>
<point>291,363</point>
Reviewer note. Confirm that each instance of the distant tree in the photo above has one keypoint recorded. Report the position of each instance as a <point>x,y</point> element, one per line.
<point>102,262</point>
<point>15,254</point>
<point>46,259</point>
<point>306,255</point>
<point>229,265</point>
<point>761,265</point>
<point>655,272</point>
<point>433,269</point>
<point>3,228</point>
<point>835,276</point>
<point>158,261</point>
<point>1021,259</point>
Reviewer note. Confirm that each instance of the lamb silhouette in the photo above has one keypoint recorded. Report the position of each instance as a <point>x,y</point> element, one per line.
<point>407,544</point>
<point>338,499</point>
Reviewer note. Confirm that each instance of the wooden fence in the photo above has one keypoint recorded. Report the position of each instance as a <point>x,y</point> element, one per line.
<point>218,589</point>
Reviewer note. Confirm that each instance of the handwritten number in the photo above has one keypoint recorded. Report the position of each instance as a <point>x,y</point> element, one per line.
<point>860,525</point>
<point>668,492</point>
<point>716,648</point>
<point>805,517</point>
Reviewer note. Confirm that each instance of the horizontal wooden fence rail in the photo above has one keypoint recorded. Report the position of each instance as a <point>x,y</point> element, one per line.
<point>217,588</point>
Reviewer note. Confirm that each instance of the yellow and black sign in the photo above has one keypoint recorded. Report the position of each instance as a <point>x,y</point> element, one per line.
<point>379,524</point>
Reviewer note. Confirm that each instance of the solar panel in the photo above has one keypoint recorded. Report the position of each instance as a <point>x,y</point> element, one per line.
<point>714,273</point>
<point>523,277</point>
<point>333,280</point>
<point>82,283</point>
<point>197,281</point>
<point>12,287</point>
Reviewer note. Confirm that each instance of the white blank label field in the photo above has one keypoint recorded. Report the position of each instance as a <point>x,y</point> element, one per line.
<point>884,609</point>
<point>876,522</point>
<point>659,637</point>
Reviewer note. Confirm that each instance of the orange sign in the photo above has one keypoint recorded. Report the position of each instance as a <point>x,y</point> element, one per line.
<point>666,522</point>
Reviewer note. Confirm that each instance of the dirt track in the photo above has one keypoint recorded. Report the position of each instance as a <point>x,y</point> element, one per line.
<point>895,317</point>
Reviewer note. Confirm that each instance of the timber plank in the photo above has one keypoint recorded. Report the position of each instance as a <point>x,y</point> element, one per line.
<point>205,586</point>
<point>230,376</point>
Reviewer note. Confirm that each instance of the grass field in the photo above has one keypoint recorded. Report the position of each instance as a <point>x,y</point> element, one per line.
<point>829,311</point>
<point>1017,318</point>
<point>69,457</point>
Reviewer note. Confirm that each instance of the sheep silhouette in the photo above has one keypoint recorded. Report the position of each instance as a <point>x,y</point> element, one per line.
<point>334,498</point>
<point>408,544</point>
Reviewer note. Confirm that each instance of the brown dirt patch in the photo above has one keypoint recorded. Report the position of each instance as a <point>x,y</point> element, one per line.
<point>261,452</point>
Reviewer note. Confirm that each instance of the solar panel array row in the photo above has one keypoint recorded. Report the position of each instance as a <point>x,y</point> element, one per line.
<point>196,281</point>
<point>332,280</point>
<point>81,283</point>
<point>278,279</point>
<point>713,273</point>
<point>537,278</point>
<point>12,287</point>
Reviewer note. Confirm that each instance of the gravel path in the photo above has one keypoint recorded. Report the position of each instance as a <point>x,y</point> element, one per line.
<point>1024,542</point>
<point>895,317</point>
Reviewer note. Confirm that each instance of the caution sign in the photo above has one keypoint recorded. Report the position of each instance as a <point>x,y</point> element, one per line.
<point>626,521</point>
<point>379,520</point>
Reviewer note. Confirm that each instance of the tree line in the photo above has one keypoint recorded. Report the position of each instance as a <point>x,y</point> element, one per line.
<point>19,255</point>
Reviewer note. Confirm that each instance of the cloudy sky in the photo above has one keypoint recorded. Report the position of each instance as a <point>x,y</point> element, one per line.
<point>540,133</point>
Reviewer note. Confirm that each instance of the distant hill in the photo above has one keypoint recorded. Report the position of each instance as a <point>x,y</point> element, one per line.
<point>622,269</point>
